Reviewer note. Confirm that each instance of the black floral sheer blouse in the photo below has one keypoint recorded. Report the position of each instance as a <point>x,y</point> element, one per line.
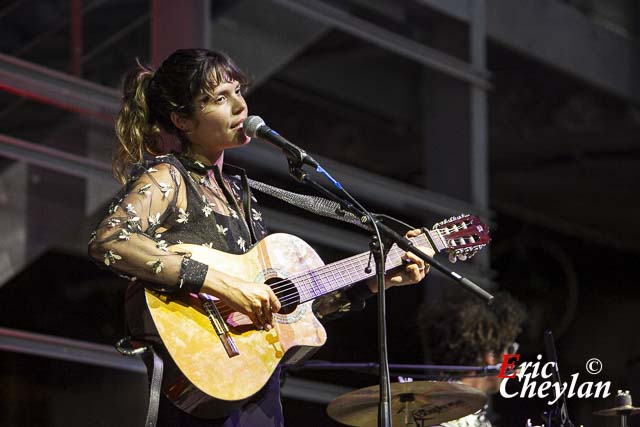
<point>170,200</point>
<point>174,199</point>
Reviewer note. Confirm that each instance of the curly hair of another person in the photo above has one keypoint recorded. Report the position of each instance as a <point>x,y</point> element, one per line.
<point>459,331</point>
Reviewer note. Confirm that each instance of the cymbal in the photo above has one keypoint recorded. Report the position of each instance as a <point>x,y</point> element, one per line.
<point>618,410</point>
<point>420,403</point>
<point>624,406</point>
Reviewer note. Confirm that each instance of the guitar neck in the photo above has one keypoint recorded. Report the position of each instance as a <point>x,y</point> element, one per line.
<point>341,274</point>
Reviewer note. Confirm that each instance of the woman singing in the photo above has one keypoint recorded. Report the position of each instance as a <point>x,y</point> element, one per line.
<point>196,95</point>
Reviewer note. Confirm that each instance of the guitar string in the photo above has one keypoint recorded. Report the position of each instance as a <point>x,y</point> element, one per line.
<point>291,298</point>
<point>304,280</point>
<point>326,270</point>
<point>337,266</point>
<point>286,301</point>
<point>330,270</point>
<point>285,285</point>
<point>310,284</point>
<point>322,274</point>
<point>349,263</point>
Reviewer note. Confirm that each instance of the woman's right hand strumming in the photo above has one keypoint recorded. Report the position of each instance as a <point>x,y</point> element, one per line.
<point>256,300</point>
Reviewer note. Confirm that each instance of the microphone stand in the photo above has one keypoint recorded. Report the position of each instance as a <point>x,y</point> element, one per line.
<point>379,248</point>
<point>558,416</point>
<point>380,245</point>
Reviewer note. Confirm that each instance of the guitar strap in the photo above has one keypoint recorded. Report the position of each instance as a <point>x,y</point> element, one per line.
<point>154,389</point>
<point>126,347</point>
<point>317,205</point>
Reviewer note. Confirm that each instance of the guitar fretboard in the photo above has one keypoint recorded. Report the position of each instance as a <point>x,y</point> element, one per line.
<point>341,274</point>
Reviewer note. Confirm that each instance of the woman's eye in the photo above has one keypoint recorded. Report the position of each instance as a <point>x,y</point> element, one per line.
<point>238,90</point>
<point>220,99</point>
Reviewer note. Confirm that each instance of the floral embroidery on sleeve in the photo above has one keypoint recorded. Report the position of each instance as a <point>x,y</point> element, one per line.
<point>222,230</point>
<point>130,209</point>
<point>162,245</point>
<point>207,209</point>
<point>124,234</point>
<point>111,257</point>
<point>126,240</point>
<point>154,219</point>
<point>145,190</point>
<point>133,222</point>
<point>241,243</point>
<point>156,266</point>
<point>183,216</point>
<point>165,189</point>
<point>114,206</point>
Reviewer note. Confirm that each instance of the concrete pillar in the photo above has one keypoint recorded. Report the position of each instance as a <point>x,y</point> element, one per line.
<point>178,25</point>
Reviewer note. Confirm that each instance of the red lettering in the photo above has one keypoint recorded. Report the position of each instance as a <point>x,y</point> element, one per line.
<point>508,364</point>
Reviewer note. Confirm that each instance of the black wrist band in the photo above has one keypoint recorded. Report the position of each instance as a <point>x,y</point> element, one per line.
<point>192,274</point>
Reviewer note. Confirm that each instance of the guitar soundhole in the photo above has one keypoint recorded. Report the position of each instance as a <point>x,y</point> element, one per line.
<point>286,292</point>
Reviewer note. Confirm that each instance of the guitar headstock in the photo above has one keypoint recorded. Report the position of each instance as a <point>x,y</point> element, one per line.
<point>462,236</point>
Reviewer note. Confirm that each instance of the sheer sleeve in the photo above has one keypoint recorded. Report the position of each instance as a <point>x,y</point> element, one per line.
<point>129,239</point>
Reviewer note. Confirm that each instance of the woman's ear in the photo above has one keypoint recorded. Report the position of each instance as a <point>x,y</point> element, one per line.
<point>181,122</point>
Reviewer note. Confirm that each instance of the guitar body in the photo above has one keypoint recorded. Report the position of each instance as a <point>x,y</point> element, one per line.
<point>208,381</point>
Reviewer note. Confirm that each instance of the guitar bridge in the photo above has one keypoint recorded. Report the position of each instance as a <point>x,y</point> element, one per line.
<point>219,326</point>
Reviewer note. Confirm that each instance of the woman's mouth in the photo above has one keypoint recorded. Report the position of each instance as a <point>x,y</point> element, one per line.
<point>237,126</point>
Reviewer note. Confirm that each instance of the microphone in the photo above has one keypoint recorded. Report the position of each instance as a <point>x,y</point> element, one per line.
<point>255,127</point>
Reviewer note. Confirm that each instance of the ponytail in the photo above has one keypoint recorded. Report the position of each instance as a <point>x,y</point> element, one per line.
<point>136,129</point>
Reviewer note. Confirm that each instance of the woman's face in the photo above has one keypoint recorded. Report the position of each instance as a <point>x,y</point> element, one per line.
<point>217,121</point>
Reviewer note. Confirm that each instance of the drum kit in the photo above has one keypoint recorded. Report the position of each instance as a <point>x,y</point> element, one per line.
<point>431,403</point>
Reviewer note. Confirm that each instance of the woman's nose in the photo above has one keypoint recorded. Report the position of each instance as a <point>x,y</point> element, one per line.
<point>239,104</point>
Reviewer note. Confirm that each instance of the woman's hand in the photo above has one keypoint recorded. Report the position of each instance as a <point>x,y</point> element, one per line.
<point>256,300</point>
<point>412,272</point>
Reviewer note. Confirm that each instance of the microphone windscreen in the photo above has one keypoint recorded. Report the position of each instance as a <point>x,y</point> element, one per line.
<point>251,125</point>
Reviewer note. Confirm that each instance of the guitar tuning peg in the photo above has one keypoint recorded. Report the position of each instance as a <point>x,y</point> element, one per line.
<point>453,257</point>
<point>463,257</point>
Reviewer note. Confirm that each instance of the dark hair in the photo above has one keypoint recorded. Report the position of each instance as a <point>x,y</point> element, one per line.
<point>149,98</point>
<point>461,330</point>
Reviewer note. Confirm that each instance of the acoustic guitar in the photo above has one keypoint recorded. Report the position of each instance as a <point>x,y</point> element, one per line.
<point>218,359</point>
